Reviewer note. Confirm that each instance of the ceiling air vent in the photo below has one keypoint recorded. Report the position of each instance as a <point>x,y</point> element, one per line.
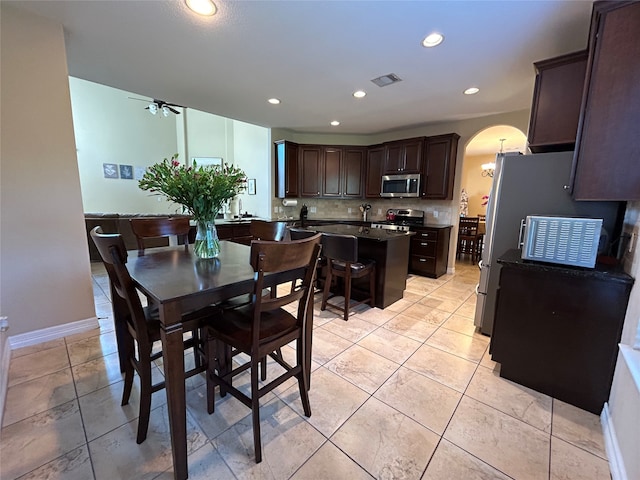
<point>387,79</point>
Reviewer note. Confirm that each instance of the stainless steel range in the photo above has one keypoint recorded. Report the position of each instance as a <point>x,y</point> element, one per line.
<point>401,219</point>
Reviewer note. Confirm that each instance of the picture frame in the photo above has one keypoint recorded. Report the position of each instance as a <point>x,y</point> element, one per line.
<point>110,170</point>
<point>202,161</point>
<point>126,172</point>
<point>251,186</point>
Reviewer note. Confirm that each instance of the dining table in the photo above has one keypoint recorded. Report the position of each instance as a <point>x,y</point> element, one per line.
<point>178,281</point>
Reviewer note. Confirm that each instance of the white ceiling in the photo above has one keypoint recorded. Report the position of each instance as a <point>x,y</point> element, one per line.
<point>314,54</point>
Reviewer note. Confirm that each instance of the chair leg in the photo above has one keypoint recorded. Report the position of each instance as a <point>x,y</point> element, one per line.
<point>145,397</point>
<point>303,384</point>
<point>128,346</point>
<point>263,368</point>
<point>197,339</point>
<point>372,287</point>
<point>347,293</point>
<point>255,410</point>
<point>327,288</point>
<point>213,363</point>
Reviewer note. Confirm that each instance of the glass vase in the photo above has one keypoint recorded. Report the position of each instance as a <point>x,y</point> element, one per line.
<point>207,244</point>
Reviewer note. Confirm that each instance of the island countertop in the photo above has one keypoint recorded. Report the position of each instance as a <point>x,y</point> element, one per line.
<point>368,233</point>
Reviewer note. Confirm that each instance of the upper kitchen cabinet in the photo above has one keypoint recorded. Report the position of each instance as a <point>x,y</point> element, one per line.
<point>375,167</point>
<point>353,172</point>
<point>332,172</point>
<point>310,170</point>
<point>439,168</point>
<point>403,156</point>
<point>557,96</point>
<point>342,171</point>
<point>286,169</point>
<point>608,144</point>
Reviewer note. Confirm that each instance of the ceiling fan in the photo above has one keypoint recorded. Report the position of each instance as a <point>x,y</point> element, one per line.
<point>156,106</point>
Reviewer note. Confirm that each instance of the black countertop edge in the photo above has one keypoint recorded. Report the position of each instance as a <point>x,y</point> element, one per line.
<point>365,232</point>
<point>513,258</point>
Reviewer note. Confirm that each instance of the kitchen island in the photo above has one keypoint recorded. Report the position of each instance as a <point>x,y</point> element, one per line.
<point>390,251</point>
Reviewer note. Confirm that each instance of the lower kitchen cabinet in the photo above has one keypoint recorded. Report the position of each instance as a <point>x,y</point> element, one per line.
<point>239,233</point>
<point>557,328</point>
<point>429,253</point>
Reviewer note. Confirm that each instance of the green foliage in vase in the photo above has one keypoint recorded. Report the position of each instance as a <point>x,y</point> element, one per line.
<point>201,190</point>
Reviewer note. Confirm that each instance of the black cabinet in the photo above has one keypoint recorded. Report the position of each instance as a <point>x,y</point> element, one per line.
<point>310,170</point>
<point>608,143</point>
<point>429,253</point>
<point>557,328</point>
<point>286,169</point>
<point>375,167</point>
<point>439,168</point>
<point>403,156</point>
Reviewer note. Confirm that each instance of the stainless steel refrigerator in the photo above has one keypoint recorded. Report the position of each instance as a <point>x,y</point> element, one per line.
<point>526,185</point>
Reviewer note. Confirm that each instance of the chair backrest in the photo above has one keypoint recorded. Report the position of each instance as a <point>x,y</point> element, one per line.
<point>114,256</point>
<point>300,233</point>
<point>300,259</point>
<point>270,231</point>
<point>340,247</point>
<point>468,226</point>
<point>160,227</point>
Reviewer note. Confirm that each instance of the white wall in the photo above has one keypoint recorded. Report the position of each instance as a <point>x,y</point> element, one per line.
<point>45,276</point>
<point>251,147</point>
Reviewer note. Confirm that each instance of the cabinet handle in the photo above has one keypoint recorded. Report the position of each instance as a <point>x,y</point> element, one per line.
<point>424,244</point>
<point>566,187</point>
<point>423,260</point>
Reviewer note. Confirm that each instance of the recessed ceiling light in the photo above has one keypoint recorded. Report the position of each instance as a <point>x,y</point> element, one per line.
<point>202,7</point>
<point>359,93</point>
<point>335,123</point>
<point>432,40</point>
<point>471,91</point>
<point>274,101</point>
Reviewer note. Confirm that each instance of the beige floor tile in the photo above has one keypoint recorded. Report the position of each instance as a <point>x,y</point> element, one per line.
<point>326,345</point>
<point>569,462</point>
<point>448,305</point>
<point>92,332</point>
<point>102,412</point>
<point>91,348</point>
<point>399,306</point>
<point>460,324</point>
<point>36,396</point>
<point>377,316</point>
<point>332,398</point>
<point>362,368</point>
<point>75,465</point>
<point>96,374</point>
<point>470,348</point>
<point>288,441</point>
<point>38,348</point>
<point>390,345</point>
<point>468,308</point>
<point>578,427</point>
<point>446,368</point>
<point>330,463</point>
<point>203,464</point>
<point>509,445</point>
<point>410,327</point>
<point>516,400</point>
<point>37,440</point>
<point>453,463</point>
<point>353,330</point>
<point>145,461</point>
<point>401,452</point>
<point>488,362</point>
<point>35,365</point>
<point>420,398</point>
<point>427,314</point>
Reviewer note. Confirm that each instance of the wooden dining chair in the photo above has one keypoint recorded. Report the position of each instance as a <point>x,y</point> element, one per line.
<point>469,239</point>
<point>154,227</point>
<point>263,327</point>
<point>299,234</point>
<point>272,231</point>
<point>142,328</point>
<point>341,252</point>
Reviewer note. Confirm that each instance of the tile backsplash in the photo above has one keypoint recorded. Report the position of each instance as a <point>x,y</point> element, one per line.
<point>436,212</point>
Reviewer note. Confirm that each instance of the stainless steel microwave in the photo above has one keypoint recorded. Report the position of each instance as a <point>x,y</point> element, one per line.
<point>400,185</point>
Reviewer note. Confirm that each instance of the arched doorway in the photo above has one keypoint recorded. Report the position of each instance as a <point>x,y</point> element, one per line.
<point>480,150</point>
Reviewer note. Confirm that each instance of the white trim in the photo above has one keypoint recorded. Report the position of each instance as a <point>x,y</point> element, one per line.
<point>52,333</point>
<point>616,462</point>
<point>5,360</point>
<point>632,359</point>
<point>451,270</point>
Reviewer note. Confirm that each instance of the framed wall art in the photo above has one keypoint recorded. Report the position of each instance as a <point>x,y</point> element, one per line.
<point>110,170</point>
<point>251,186</point>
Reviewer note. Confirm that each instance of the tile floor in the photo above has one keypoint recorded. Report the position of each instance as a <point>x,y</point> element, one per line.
<point>408,392</point>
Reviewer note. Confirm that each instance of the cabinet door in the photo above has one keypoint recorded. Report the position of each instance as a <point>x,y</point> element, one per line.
<point>286,169</point>
<point>352,172</point>
<point>310,173</point>
<point>394,158</point>
<point>413,155</point>
<point>439,166</point>
<point>331,168</point>
<point>375,167</point>
<point>556,103</point>
<point>608,144</point>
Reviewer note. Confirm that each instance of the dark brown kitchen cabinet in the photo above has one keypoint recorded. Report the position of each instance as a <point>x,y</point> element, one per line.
<point>557,328</point>
<point>332,172</point>
<point>557,96</point>
<point>608,144</point>
<point>403,156</point>
<point>286,169</point>
<point>310,170</point>
<point>375,167</point>
<point>429,254</point>
<point>353,172</point>
<point>439,167</point>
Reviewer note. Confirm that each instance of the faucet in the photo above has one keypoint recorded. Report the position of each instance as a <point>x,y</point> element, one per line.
<point>240,206</point>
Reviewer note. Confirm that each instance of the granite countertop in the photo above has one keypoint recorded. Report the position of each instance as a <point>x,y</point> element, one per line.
<point>375,234</point>
<point>601,271</point>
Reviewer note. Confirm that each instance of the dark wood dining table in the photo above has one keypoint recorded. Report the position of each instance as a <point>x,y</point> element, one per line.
<point>178,281</point>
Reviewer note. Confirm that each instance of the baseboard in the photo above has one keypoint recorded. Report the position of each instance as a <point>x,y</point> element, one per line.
<point>52,333</point>
<point>616,463</point>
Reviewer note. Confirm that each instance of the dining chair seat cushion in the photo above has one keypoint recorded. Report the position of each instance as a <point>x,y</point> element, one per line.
<point>358,266</point>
